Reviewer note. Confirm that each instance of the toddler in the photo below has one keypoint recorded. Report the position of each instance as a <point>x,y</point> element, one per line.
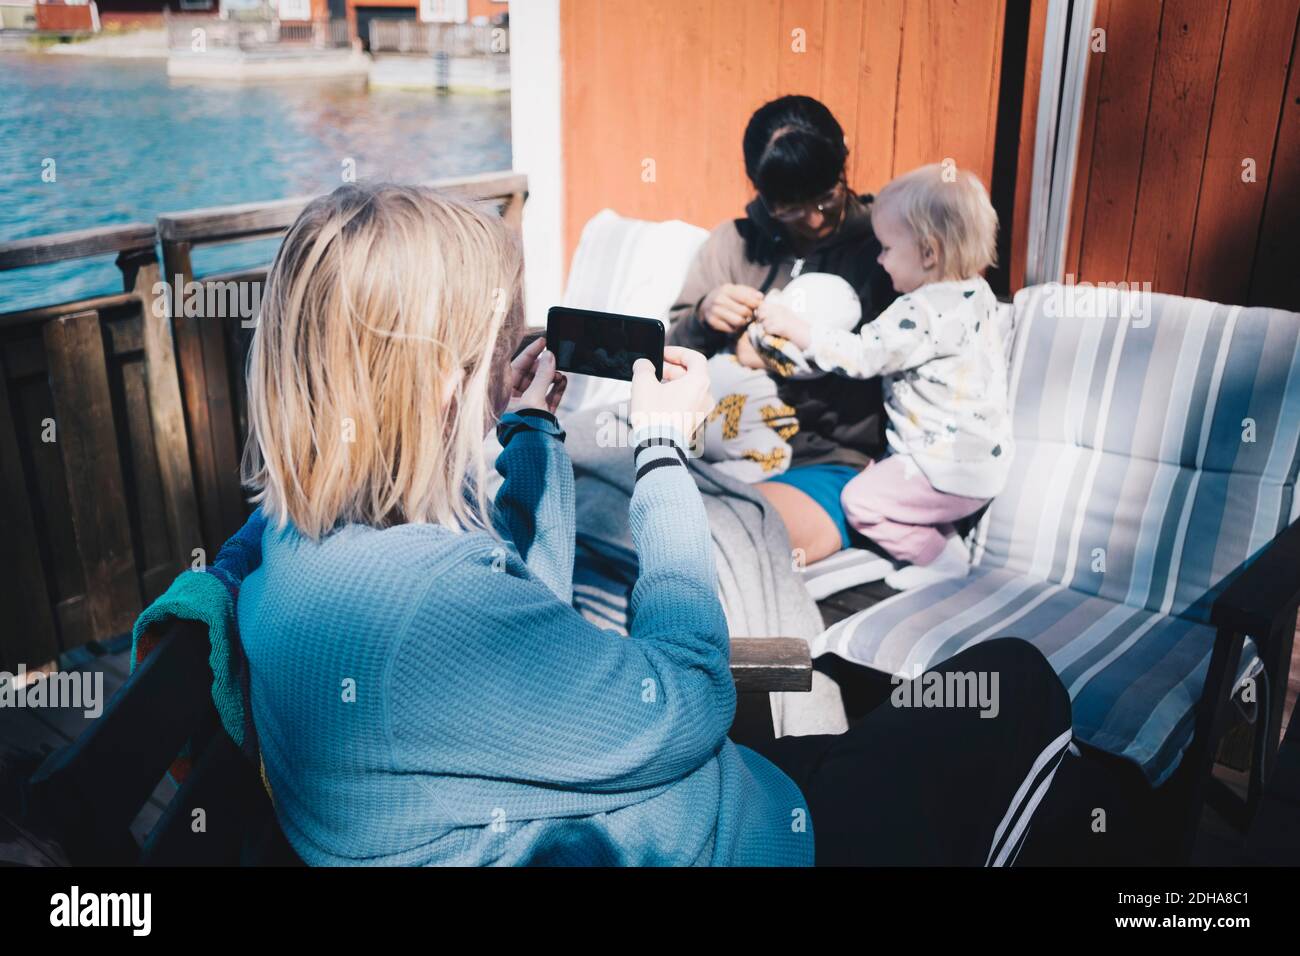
<point>747,434</point>
<point>943,372</point>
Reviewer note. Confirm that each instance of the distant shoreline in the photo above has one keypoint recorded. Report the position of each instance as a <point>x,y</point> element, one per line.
<point>145,43</point>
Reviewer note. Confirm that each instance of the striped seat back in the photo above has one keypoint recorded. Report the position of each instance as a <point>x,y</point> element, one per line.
<point>1157,444</point>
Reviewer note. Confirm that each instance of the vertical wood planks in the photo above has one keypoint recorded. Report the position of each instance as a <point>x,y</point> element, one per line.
<point>1182,95</point>
<point>1183,87</point>
<point>910,81</point>
<point>57,537</point>
<point>624,46</point>
<point>86,438</point>
<point>221,412</point>
<point>841,52</point>
<point>189,354</point>
<point>674,138</point>
<point>881,52</point>
<point>762,74</point>
<point>1094,70</point>
<point>579,28</point>
<point>1275,279</point>
<point>719,160</point>
<point>27,634</point>
<point>167,415</point>
<point>947,84</point>
<point>200,345</point>
<point>801,47</point>
<point>1248,101</point>
<point>1187,90</point>
<point>1025,157</point>
<point>155,559</point>
<point>1111,147</point>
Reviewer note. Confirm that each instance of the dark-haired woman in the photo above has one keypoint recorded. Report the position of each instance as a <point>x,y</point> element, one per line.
<point>805,218</point>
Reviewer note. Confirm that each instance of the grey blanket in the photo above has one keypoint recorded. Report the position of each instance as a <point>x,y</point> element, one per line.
<point>758,577</point>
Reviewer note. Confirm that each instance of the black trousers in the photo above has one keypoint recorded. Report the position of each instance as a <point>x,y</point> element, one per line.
<point>924,778</point>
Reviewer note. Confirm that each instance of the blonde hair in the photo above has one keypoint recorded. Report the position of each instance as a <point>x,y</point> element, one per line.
<point>372,373</point>
<point>947,209</point>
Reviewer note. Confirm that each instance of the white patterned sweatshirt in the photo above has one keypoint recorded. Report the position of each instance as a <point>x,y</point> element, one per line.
<point>943,370</point>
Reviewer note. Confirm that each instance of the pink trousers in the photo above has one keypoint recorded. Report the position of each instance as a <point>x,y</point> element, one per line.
<point>894,505</point>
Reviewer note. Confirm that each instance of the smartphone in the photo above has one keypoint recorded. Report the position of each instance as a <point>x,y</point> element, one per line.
<point>603,343</point>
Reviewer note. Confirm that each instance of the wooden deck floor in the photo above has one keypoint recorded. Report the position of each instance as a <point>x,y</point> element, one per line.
<point>28,735</point>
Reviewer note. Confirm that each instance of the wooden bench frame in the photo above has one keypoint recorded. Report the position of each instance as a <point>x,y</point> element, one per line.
<point>98,588</point>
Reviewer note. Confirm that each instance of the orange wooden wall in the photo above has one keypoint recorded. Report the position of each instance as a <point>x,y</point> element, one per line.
<point>675,81</point>
<point>1184,93</point>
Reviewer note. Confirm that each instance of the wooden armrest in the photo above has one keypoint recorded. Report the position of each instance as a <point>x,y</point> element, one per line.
<point>771,664</point>
<point>1260,592</point>
<point>89,792</point>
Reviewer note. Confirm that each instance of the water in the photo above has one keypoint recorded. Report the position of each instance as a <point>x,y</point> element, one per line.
<point>128,143</point>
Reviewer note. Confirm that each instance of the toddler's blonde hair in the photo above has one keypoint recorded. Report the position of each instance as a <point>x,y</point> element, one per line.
<point>949,210</point>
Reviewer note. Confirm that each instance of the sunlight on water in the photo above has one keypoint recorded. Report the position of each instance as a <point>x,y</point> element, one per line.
<point>129,143</point>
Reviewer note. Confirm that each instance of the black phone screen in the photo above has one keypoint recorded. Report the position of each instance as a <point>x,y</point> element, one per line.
<point>603,343</point>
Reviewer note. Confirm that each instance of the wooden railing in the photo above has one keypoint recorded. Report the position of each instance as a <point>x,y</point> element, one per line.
<point>90,396</point>
<point>122,417</point>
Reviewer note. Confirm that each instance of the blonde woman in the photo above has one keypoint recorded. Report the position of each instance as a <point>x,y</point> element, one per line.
<point>422,690</point>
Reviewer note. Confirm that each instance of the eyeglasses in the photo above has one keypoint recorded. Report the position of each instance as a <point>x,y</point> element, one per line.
<point>831,200</point>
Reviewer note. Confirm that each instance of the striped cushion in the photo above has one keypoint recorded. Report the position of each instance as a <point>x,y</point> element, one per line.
<point>1133,675</point>
<point>1133,481</point>
<point>841,571</point>
<point>1155,454</point>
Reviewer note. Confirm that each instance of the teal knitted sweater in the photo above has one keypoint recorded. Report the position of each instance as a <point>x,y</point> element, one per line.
<point>429,696</point>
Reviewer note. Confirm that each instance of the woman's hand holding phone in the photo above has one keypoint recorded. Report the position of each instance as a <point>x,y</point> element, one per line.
<point>534,382</point>
<point>681,402</point>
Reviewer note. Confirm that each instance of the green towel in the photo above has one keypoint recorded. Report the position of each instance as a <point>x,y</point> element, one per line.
<point>202,597</point>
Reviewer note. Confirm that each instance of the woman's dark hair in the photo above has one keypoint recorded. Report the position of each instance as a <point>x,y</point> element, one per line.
<point>794,149</point>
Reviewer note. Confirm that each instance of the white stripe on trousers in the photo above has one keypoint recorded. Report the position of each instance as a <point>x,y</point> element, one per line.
<point>1021,811</point>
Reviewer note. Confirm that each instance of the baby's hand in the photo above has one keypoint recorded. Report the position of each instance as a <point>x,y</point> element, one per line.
<point>746,354</point>
<point>779,319</point>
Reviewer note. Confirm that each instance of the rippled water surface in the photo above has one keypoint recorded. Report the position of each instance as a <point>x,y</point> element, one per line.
<point>128,143</point>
